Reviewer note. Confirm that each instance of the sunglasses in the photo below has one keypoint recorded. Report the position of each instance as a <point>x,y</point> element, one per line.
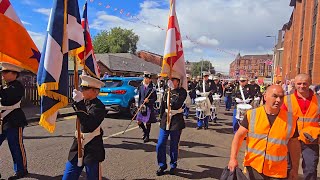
<point>84,88</point>
<point>243,80</point>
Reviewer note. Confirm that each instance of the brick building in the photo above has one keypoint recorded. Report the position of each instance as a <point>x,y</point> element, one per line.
<point>150,57</point>
<point>301,52</point>
<point>252,66</point>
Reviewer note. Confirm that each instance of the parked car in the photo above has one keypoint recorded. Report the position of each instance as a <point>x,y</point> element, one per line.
<point>118,94</point>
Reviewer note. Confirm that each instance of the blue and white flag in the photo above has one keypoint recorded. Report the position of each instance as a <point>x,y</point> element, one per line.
<point>64,37</point>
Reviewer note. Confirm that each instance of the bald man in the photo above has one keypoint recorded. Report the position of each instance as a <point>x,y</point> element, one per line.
<point>271,134</point>
<point>304,104</point>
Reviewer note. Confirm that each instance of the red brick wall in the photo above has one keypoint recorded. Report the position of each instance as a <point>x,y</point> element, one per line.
<point>292,43</point>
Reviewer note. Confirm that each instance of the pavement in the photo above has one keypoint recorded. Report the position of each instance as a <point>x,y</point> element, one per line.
<point>32,112</point>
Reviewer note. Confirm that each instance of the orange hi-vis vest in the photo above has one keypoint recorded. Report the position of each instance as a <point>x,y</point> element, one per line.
<point>267,146</point>
<point>310,119</point>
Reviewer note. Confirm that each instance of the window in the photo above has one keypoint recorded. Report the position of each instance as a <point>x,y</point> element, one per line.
<point>136,83</point>
<point>313,37</point>
<point>110,83</point>
<point>301,37</point>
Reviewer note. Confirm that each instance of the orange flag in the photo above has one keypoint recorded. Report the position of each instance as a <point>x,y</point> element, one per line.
<point>16,45</point>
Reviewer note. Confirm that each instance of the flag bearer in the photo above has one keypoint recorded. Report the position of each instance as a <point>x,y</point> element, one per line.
<point>177,98</point>
<point>91,112</point>
<point>13,119</point>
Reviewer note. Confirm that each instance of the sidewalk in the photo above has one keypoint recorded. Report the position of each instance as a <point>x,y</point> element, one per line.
<point>33,112</point>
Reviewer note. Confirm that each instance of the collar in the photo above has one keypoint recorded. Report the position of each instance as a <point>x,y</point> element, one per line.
<point>308,98</point>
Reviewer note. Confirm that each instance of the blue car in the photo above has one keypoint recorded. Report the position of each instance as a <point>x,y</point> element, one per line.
<point>118,94</point>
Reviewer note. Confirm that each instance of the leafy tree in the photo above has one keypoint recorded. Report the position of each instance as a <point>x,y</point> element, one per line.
<point>206,66</point>
<point>117,40</point>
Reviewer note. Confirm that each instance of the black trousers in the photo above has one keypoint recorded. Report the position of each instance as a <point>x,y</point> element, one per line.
<point>255,175</point>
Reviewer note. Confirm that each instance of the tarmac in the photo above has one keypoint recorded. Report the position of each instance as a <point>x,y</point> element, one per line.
<point>33,112</point>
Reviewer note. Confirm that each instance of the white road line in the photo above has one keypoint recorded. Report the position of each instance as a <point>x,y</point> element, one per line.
<point>119,133</point>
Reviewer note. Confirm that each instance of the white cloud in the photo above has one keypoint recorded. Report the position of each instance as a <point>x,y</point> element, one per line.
<point>25,22</point>
<point>197,50</point>
<point>44,11</point>
<point>231,25</point>
<point>38,39</point>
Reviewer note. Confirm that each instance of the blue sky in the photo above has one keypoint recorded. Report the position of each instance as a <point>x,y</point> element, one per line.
<point>221,26</point>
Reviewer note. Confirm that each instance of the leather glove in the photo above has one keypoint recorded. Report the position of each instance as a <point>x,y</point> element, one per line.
<point>77,95</point>
<point>238,100</point>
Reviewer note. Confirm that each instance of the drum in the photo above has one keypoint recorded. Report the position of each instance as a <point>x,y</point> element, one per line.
<point>213,112</point>
<point>136,100</point>
<point>187,102</point>
<point>201,107</point>
<point>241,110</point>
<point>158,101</point>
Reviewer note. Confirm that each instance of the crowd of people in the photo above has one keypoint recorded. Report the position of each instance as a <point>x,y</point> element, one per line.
<point>278,122</point>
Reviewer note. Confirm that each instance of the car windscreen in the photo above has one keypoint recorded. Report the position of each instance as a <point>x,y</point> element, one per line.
<point>111,83</point>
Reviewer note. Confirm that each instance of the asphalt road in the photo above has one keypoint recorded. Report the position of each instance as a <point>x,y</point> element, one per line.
<point>203,153</point>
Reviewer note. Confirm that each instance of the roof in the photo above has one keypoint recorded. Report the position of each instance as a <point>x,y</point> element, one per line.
<point>265,56</point>
<point>148,52</point>
<point>294,2</point>
<point>127,62</point>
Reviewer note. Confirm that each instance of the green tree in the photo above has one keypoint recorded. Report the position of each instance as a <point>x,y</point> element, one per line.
<point>206,66</point>
<point>117,40</point>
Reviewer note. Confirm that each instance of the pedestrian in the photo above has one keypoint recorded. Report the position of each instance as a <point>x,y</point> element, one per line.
<point>305,104</point>
<point>175,126</point>
<point>228,92</point>
<point>271,133</point>
<point>147,99</point>
<point>91,112</point>
<point>13,119</point>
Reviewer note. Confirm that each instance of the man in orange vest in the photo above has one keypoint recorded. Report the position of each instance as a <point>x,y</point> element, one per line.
<point>304,104</point>
<point>271,134</point>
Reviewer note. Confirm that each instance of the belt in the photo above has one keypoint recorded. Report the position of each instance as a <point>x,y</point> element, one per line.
<point>5,110</point>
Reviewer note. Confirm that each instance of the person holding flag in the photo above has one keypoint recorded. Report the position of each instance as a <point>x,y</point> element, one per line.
<point>172,121</point>
<point>91,112</point>
<point>13,119</point>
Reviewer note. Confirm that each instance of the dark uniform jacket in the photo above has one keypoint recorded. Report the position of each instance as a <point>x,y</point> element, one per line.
<point>228,90</point>
<point>255,90</point>
<point>192,89</point>
<point>177,99</point>
<point>209,87</point>
<point>11,94</point>
<point>143,94</point>
<point>91,114</point>
<point>218,89</point>
<point>246,92</point>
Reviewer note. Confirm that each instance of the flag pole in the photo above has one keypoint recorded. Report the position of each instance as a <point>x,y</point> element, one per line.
<point>76,86</point>
<point>169,99</point>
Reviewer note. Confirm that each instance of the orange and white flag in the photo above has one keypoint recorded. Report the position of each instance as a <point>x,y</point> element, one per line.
<point>173,51</point>
<point>16,45</point>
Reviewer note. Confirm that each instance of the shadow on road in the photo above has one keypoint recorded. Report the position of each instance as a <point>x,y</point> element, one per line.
<point>208,172</point>
<point>41,177</point>
<point>46,137</point>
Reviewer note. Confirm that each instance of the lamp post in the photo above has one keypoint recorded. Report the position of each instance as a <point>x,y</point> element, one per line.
<point>274,55</point>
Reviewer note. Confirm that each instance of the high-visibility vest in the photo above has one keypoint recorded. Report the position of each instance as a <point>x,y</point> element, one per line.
<point>267,146</point>
<point>310,135</point>
<point>311,118</point>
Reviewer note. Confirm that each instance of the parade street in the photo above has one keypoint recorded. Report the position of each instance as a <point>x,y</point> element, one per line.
<point>203,154</point>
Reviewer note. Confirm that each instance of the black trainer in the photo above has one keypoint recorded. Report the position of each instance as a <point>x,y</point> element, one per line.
<point>172,171</point>
<point>160,171</point>
<point>147,139</point>
<point>198,128</point>
<point>18,175</point>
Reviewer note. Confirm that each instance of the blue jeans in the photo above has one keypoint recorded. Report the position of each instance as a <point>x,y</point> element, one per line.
<point>14,137</point>
<point>228,100</point>
<point>235,124</point>
<point>174,145</point>
<point>72,171</point>
<point>186,112</point>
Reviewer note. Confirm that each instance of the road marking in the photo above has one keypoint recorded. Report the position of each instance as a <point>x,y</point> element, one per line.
<point>70,117</point>
<point>119,133</point>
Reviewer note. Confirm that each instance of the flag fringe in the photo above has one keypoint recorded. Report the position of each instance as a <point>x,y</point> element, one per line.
<point>89,71</point>
<point>45,124</point>
<point>42,90</point>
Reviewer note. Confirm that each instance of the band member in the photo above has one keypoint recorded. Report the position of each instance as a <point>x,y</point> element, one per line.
<point>13,119</point>
<point>208,88</point>
<point>228,92</point>
<point>217,86</point>
<point>161,83</point>
<point>192,86</point>
<point>187,103</point>
<point>177,98</point>
<point>147,99</point>
<point>242,90</point>
<point>91,112</point>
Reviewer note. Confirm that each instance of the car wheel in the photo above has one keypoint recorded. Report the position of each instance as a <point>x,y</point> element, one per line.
<point>132,109</point>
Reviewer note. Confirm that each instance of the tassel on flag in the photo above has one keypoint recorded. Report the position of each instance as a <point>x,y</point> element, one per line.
<point>64,35</point>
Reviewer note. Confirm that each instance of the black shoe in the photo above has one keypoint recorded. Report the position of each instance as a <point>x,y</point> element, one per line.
<point>19,175</point>
<point>160,172</point>
<point>146,139</point>
<point>172,171</point>
<point>205,128</point>
<point>198,128</point>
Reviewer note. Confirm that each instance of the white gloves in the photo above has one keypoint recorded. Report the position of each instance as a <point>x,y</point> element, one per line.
<point>77,95</point>
<point>238,100</point>
<point>198,92</point>
<point>257,99</point>
<point>170,84</point>
<point>247,100</point>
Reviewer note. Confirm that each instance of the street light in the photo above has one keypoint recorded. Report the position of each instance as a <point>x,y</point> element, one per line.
<point>274,55</point>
